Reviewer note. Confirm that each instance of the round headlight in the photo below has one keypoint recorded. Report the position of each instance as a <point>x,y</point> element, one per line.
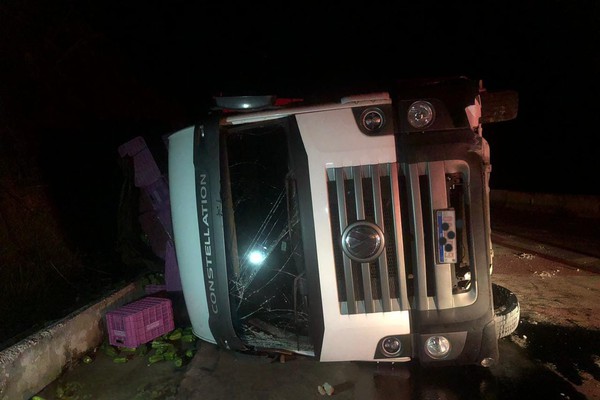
<point>437,346</point>
<point>391,346</point>
<point>420,114</point>
<point>372,119</point>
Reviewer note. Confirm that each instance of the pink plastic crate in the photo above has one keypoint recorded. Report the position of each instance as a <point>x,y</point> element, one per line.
<point>139,322</point>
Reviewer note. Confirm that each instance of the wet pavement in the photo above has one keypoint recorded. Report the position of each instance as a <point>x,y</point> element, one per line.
<point>218,374</point>
<point>553,354</point>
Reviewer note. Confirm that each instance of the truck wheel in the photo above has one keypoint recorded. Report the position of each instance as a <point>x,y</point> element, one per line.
<point>506,310</point>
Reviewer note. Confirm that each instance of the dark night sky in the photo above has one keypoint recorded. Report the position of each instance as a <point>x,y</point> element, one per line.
<point>82,77</point>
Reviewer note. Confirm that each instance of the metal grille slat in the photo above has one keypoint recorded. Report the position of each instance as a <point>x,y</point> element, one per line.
<point>383,267</point>
<point>358,193</point>
<point>368,290</point>
<point>400,268</point>
<point>416,221</point>
<point>343,218</point>
<point>360,214</point>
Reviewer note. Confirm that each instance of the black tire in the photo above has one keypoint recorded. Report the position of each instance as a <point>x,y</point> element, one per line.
<point>507,310</point>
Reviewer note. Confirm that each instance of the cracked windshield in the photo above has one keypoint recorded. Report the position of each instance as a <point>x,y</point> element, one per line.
<point>267,285</point>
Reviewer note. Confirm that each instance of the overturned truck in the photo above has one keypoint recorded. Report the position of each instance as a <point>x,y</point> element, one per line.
<point>351,230</point>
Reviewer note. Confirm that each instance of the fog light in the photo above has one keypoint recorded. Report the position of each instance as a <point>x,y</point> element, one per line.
<point>437,347</point>
<point>420,114</point>
<point>391,346</point>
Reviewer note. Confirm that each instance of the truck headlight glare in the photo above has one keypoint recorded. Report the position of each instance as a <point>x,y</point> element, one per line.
<point>256,257</point>
<point>437,346</point>
<point>420,114</point>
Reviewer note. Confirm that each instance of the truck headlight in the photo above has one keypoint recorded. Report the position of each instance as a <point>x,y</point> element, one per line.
<point>420,114</point>
<point>372,119</point>
<point>437,346</point>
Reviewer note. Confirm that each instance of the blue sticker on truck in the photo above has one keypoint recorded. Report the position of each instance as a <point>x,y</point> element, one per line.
<point>446,236</point>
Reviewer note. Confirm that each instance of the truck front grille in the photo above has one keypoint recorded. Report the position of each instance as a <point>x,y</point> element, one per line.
<point>400,200</point>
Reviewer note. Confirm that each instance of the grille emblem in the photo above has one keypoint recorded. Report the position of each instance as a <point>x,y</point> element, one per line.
<point>363,241</point>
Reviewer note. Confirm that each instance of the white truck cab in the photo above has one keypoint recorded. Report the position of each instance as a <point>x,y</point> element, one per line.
<point>356,230</point>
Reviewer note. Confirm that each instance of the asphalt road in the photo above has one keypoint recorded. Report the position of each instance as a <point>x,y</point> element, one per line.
<point>553,354</point>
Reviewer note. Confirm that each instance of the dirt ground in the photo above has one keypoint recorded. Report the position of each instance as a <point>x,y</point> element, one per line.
<point>560,314</point>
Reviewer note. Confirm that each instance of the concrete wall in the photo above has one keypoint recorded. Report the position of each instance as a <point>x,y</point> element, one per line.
<point>577,205</point>
<point>33,363</point>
